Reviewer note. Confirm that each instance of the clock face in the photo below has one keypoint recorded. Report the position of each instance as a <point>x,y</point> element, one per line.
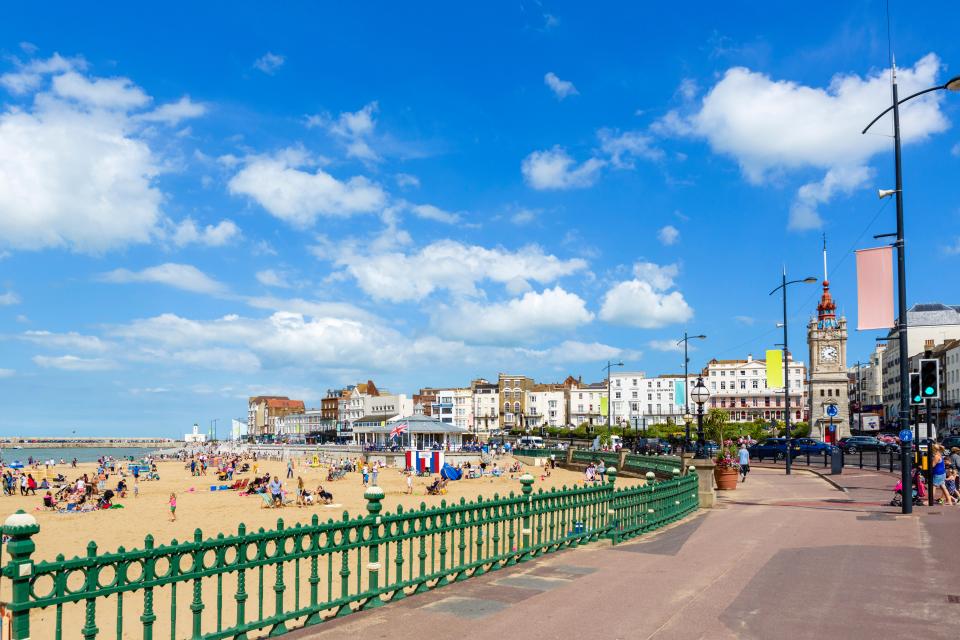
<point>828,353</point>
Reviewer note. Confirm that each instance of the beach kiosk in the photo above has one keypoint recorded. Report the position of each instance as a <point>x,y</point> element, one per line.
<point>418,432</point>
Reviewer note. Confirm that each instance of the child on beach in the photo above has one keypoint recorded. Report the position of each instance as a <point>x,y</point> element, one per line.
<point>136,485</point>
<point>410,482</point>
<point>173,507</point>
<point>366,475</point>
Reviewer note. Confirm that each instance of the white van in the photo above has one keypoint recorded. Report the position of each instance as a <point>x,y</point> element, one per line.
<point>530,442</point>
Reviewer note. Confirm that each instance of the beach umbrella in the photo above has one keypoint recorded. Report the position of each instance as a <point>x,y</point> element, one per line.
<point>16,464</point>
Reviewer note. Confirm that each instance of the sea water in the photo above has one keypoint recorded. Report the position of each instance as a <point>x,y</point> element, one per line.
<point>82,454</point>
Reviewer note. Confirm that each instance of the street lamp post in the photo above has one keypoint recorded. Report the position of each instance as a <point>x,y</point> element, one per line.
<point>700,396</point>
<point>786,364</point>
<point>687,419</point>
<point>686,379</point>
<point>609,366</point>
<point>952,85</point>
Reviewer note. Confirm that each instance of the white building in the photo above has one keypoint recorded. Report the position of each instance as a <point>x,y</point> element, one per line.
<point>300,424</point>
<point>925,322</point>
<point>639,401</point>
<point>546,407</point>
<point>740,388</point>
<point>486,407</point>
<point>195,436</point>
<point>454,406</point>
<point>584,404</point>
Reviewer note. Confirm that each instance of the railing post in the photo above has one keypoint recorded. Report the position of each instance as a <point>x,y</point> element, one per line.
<point>196,605</point>
<point>278,586</point>
<point>373,496</point>
<point>21,527</point>
<point>527,481</point>
<point>612,524</point>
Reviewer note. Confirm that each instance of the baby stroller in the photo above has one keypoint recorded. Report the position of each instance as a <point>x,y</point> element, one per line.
<point>919,491</point>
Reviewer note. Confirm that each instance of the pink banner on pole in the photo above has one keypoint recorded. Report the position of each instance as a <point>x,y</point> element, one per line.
<point>875,288</point>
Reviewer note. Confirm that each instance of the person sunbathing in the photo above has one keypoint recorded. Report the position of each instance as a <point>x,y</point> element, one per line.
<point>323,496</point>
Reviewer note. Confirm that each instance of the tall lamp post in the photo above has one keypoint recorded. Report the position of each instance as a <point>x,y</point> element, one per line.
<point>686,379</point>
<point>609,366</point>
<point>700,395</point>
<point>951,85</point>
<point>786,365</point>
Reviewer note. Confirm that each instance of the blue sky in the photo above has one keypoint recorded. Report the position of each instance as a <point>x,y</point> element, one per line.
<point>198,204</point>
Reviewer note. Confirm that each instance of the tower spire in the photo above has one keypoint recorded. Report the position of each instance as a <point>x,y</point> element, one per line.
<point>825,278</point>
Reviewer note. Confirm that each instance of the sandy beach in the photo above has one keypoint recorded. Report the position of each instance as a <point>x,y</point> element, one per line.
<point>223,511</point>
<point>216,512</point>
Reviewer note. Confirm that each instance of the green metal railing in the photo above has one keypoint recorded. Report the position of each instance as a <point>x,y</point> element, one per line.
<point>662,466</point>
<point>257,583</point>
<point>559,454</point>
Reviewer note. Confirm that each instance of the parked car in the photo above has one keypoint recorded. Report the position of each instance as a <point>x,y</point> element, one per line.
<point>652,445</point>
<point>775,448</point>
<point>854,444</point>
<point>811,446</point>
<point>951,441</point>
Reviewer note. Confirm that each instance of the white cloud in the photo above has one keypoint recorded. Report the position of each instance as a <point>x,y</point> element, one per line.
<point>217,235</point>
<point>554,169</point>
<point>688,89</point>
<point>667,345</point>
<point>560,88</point>
<point>772,126</point>
<point>173,113</point>
<point>29,75</point>
<point>668,235</point>
<point>956,150</point>
<point>286,191</point>
<point>623,148</point>
<point>573,351</point>
<point>9,298</point>
<point>531,318</point>
<point>430,212</point>
<point>645,302</point>
<point>407,180</point>
<point>76,168</point>
<point>272,278</point>
<point>354,129</point>
<point>803,211</point>
<point>180,276</point>
<point>74,363</point>
<point>7,373</point>
<point>523,216</point>
<point>745,320</point>
<point>71,340</point>
<point>269,63</point>
<point>450,265</point>
<point>104,93</point>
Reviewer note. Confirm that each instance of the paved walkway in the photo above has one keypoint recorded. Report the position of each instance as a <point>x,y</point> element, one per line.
<point>779,558</point>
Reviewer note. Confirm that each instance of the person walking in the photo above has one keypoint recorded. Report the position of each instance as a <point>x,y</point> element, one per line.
<point>744,462</point>
<point>940,476</point>
<point>366,474</point>
<point>375,473</point>
<point>410,482</point>
<point>289,468</point>
<point>173,507</point>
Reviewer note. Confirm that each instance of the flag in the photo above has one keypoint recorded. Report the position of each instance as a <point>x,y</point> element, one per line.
<point>875,288</point>
<point>774,369</point>
<point>400,427</point>
<point>603,406</point>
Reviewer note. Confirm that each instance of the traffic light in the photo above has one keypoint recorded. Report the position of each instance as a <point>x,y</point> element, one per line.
<point>930,379</point>
<point>915,396</point>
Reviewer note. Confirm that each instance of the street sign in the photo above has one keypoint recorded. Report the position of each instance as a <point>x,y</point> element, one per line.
<point>906,435</point>
<point>832,411</point>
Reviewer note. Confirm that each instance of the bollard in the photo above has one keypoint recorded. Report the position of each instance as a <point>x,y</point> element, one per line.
<point>21,527</point>
<point>373,496</point>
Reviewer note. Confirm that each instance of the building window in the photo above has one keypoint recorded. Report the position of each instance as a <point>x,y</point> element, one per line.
<point>516,407</point>
<point>756,384</point>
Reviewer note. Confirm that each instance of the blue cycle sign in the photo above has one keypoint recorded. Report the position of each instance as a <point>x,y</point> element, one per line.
<point>833,411</point>
<point>906,435</point>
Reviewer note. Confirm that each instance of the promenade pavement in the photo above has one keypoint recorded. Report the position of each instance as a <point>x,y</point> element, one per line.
<point>781,557</point>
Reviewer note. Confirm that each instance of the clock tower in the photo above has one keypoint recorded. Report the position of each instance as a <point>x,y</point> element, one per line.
<point>828,384</point>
